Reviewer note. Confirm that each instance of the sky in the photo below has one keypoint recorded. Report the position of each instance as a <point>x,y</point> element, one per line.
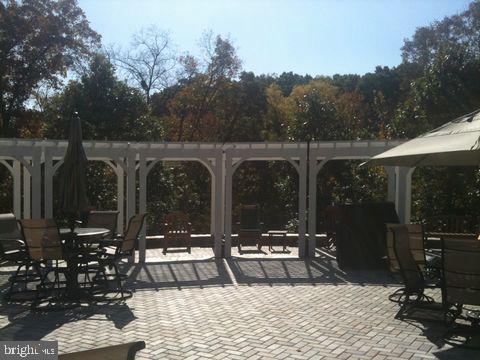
<point>316,37</point>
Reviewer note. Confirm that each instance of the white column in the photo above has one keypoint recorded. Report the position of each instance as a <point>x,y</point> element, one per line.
<point>222,191</point>
<point>218,198</point>
<point>17,189</point>
<point>26,193</point>
<point>312,203</point>
<point>228,206</point>
<point>36,186</point>
<point>302,207</point>
<point>403,193</point>
<point>131,188</point>
<point>142,204</point>
<point>390,183</point>
<point>131,185</point>
<point>48,186</point>
<point>213,195</point>
<point>120,197</point>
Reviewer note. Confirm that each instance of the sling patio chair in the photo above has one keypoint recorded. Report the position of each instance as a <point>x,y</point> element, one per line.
<point>412,295</point>
<point>117,249</point>
<point>331,223</point>
<point>13,251</point>
<point>103,219</point>
<point>416,241</point>
<point>178,231</point>
<point>45,249</point>
<point>461,273</point>
<point>249,227</point>
<point>125,351</point>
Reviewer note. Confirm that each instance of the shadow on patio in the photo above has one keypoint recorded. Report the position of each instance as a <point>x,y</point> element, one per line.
<point>247,271</point>
<point>24,324</point>
<point>177,274</point>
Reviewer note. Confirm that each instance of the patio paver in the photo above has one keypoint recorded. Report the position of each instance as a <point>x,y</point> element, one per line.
<point>190,306</point>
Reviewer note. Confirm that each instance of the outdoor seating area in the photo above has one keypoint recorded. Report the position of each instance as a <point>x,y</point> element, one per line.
<point>57,268</point>
<point>240,180</point>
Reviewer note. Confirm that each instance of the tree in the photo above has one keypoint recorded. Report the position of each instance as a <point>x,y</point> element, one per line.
<point>457,32</point>
<point>109,108</point>
<point>191,111</point>
<point>149,62</point>
<point>39,41</point>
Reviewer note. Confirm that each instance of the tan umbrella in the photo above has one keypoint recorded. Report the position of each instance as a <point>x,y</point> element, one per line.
<point>456,143</point>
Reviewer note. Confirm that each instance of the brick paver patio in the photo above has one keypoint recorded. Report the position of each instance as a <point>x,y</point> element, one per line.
<point>190,306</point>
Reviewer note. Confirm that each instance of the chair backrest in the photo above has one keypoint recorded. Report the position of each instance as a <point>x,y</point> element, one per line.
<point>133,231</point>
<point>115,352</point>
<point>249,217</point>
<point>10,233</point>
<point>103,219</point>
<point>416,243</point>
<point>461,270</point>
<point>177,222</point>
<point>416,238</point>
<point>409,269</point>
<point>331,218</point>
<point>453,224</point>
<point>42,239</point>
<point>392,258</point>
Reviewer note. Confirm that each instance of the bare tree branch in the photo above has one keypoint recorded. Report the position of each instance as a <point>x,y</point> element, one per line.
<point>150,61</point>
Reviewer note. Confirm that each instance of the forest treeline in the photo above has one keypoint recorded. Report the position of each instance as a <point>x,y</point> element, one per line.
<point>149,92</point>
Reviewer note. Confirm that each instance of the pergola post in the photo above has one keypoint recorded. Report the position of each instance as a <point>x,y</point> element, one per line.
<point>120,196</point>
<point>217,201</point>
<point>391,183</point>
<point>302,207</point>
<point>312,204</point>
<point>36,186</point>
<point>403,192</point>
<point>228,206</point>
<point>131,187</point>
<point>48,185</point>
<point>17,189</point>
<point>142,204</point>
<point>26,192</point>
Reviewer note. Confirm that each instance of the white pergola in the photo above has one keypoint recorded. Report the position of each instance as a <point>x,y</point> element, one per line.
<point>33,163</point>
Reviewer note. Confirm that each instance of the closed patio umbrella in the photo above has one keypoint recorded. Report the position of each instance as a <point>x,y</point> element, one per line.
<point>73,193</point>
<point>456,143</point>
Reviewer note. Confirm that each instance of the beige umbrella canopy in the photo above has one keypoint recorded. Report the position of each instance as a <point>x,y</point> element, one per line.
<point>456,143</point>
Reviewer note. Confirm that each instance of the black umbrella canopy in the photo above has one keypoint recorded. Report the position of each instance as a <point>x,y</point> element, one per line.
<point>73,193</point>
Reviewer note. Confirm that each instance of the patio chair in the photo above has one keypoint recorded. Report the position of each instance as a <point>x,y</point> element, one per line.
<point>416,242</point>
<point>115,352</point>
<point>453,224</point>
<point>412,294</point>
<point>178,231</point>
<point>45,249</point>
<point>12,250</point>
<point>461,270</point>
<point>117,249</point>
<point>249,227</point>
<point>103,219</point>
<point>331,222</point>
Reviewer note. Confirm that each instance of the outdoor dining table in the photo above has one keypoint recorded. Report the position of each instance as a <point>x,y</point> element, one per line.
<point>74,243</point>
<point>83,234</point>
